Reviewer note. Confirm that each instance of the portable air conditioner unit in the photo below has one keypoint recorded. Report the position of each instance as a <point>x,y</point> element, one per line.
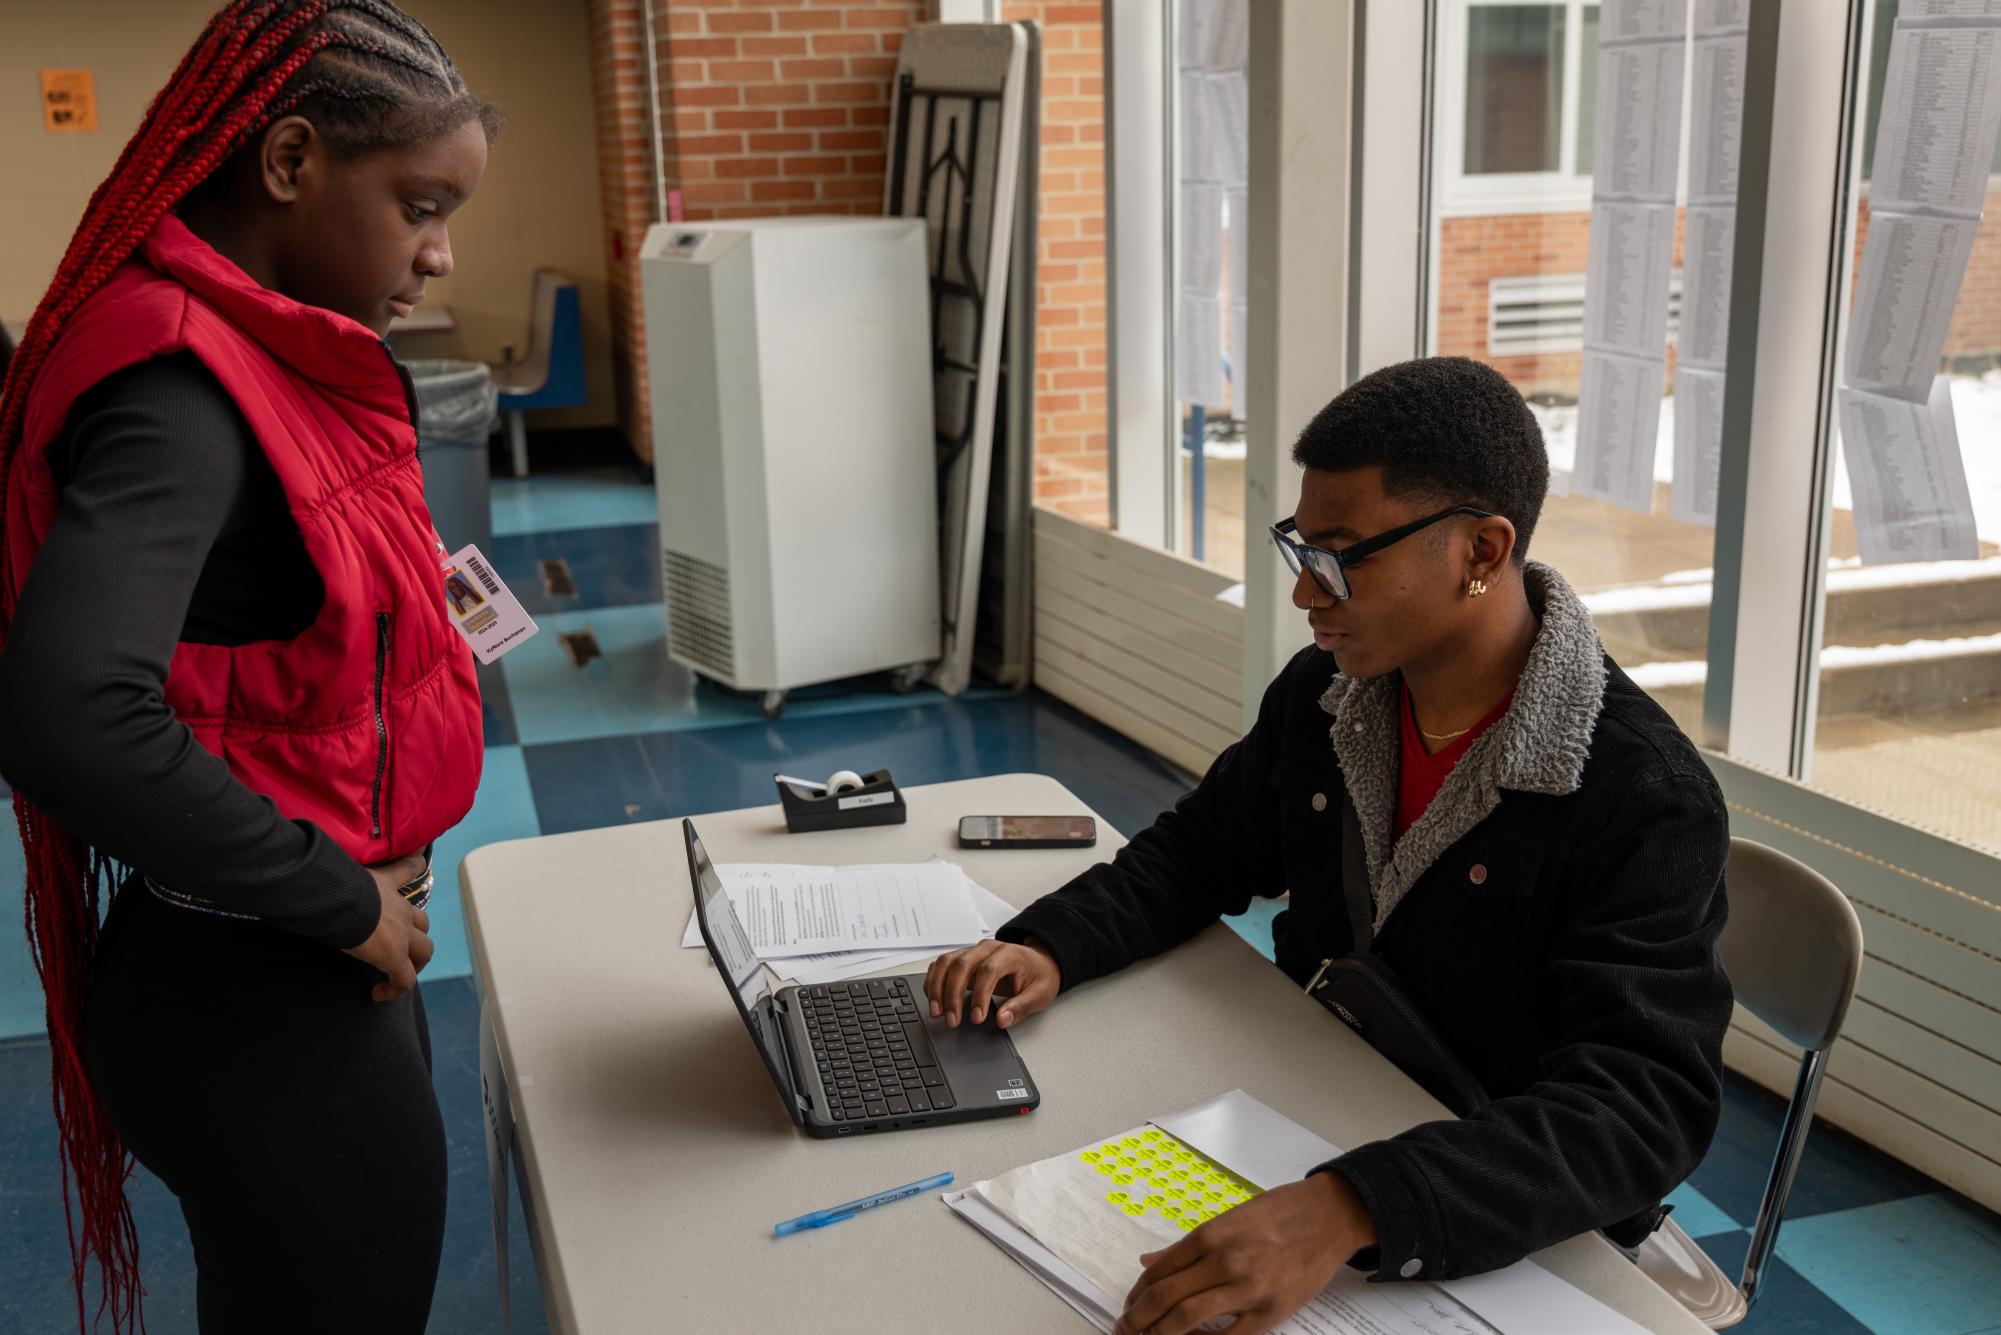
<point>794,448</point>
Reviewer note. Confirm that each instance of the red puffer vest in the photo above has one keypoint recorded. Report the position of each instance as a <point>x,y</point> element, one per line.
<point>368,723</point>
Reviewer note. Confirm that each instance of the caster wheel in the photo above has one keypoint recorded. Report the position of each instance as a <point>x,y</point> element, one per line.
<point>772,704</point>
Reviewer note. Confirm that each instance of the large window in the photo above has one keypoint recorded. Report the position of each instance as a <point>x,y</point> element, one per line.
<point>1211,155</point>
<point>1514,89</point>
<point>1508,288</point>
<point>1516,85</point>
<point>1908,717</point>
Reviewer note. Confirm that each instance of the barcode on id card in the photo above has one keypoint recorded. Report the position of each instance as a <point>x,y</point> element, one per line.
<point>486,578</point>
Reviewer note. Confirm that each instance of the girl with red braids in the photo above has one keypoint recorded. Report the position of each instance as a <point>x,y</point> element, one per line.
<point>202,420</point>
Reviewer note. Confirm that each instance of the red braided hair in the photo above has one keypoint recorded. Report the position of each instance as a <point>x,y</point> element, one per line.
<point>368,76</point>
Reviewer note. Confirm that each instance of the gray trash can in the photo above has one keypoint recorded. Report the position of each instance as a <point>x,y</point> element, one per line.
<point>457,409</point>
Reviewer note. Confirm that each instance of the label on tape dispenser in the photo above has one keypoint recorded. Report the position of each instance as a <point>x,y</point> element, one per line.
<point>866,800</point>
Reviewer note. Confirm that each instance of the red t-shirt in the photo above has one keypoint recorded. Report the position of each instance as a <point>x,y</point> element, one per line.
<point>1422,774</point>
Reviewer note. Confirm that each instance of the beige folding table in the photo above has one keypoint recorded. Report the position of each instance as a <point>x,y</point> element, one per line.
<point>656,1156</point>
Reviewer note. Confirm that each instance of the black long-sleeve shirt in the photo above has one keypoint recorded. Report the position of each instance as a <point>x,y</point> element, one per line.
<point>173,526</point>
<point>1564,948</point>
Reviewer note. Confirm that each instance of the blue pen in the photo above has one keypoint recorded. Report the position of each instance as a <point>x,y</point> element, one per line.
<point>822,1218</point>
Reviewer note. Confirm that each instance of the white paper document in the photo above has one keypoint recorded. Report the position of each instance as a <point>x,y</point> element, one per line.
<point>1949,9</point>
<point>1716,128</point>
<point>1911,272</point>
<point>1627,276</point>
<point>1908,480</point>
<point>1707,247</point>
<point>1641,20</point>
<point>1618,430</point>
<point>1201,237</point>
<point>1198,347</point>
<point>834,966</point>
<point>1941,109</point>
<point>1215,34</point>
<point>788,909</point>
<point>1698,444</point>
<point>1637,149</point>
<point>1719,16</point>
<point>1075,1225</point>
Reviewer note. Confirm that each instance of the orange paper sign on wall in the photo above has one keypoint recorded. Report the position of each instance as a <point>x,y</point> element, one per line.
<point>69,102</point>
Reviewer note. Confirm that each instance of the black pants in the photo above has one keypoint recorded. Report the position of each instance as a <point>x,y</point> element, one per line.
<point>291,1115</point>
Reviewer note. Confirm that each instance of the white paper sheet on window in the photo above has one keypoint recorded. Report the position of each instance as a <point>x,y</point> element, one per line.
<point>1949,9</point>
<point>1636,151</point>
<point>1911,271</point>
<point>1707,247</point>
<point>1237,282</point>
<point>1717,104</point>
<point>1716,16</point>
<point>1618,426</point>
<point>1624,20</point>
<point>1698,444</point>
<point>1201,151</point>
<point>1941,110</point>
<point>1907,478</point>
<point>1198,348</point>
<point>1230,120</point>
<point>1214,34</point>
<point>1237,204</point>
<point>1201,267</point>
<point>1626,277</point>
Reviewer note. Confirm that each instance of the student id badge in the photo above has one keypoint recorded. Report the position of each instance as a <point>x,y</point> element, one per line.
<point>483,609</point>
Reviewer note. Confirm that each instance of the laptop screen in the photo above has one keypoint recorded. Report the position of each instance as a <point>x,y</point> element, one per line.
<point>722,929</point>
<point>735,959</point>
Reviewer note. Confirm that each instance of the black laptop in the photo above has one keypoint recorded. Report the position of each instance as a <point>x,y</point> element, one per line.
<point>858,1056</point>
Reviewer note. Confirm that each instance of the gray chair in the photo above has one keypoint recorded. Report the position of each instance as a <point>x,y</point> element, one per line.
<point>1793,949</point>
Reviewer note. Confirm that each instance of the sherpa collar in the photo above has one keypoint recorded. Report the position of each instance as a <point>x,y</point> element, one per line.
<point>1538,746</point>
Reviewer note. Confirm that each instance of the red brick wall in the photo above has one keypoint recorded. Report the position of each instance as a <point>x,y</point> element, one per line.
<point>779,106</point>
<point>625,188</point>
<point>1071,460</point>
<point>783,106</point>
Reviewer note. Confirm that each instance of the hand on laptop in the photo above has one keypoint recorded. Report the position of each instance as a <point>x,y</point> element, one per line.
<point>1025,978</point>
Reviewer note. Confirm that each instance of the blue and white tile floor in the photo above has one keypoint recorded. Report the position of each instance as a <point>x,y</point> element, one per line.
<point>1869,1244</point>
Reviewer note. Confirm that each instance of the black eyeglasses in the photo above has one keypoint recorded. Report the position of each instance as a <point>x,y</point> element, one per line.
<point>1329,569</point>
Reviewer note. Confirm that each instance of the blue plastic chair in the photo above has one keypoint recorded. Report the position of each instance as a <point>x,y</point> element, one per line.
<point>552,374</point>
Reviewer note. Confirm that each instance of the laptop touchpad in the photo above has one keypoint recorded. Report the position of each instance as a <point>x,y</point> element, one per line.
<point>979,1060</point>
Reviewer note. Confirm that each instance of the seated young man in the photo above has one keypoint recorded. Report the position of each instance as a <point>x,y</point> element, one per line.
<point>1544,849</point>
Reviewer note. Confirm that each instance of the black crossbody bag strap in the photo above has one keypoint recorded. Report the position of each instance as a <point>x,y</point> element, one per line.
<point>1355,877</point>
<point>1364,991</point>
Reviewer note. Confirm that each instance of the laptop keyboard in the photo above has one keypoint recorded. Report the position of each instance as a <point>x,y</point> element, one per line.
<point>874,1057</point>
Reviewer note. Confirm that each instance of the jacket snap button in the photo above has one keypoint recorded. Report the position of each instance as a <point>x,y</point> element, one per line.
<point>1411,1268</point>
<point>1320,801</point>
<point>1478,875</point>
<point>1358,727</point>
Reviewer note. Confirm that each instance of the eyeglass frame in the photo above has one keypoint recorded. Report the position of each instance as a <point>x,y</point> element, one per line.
<point>1299,555</point>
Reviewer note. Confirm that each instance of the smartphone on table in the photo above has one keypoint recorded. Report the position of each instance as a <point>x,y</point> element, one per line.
<point>1027,832</point>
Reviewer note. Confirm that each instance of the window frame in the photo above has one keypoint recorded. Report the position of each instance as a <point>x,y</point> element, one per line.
<point>1460,193</point>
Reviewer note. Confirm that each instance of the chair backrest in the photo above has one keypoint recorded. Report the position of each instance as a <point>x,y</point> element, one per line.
<point>1792,945</point>
<point>542,327</point>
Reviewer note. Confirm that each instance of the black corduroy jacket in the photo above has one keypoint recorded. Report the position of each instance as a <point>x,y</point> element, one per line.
<point>1554,914</point>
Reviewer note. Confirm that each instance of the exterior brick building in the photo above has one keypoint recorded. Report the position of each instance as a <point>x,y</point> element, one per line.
<point>1476,250</point>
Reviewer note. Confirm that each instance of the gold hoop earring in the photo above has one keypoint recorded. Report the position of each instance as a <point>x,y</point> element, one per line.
<point>1475,587</point>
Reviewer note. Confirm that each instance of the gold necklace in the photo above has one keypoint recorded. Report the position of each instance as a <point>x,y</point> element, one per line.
<point>1443,736</point>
